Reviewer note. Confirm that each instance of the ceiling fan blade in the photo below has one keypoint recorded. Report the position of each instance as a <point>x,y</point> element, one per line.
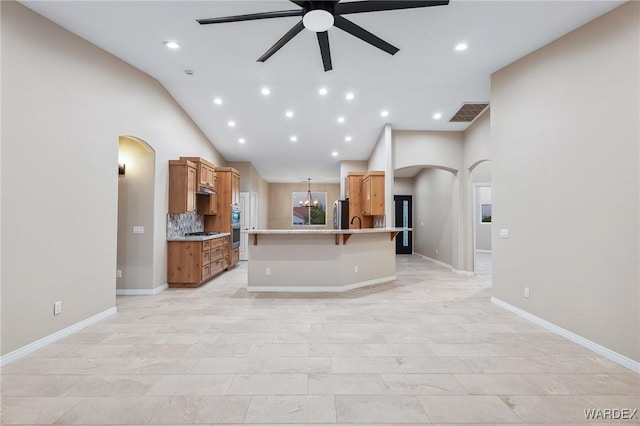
<point>301,3</point>
<point>353,29</point>
<point>323,41</point>
<point>284,40</point>
<point>377,6</point>
<point>251,17</point>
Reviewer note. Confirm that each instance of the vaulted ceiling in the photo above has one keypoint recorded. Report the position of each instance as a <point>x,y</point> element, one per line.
<point>427,76</point>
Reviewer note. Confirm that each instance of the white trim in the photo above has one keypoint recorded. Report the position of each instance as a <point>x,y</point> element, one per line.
<point>446,265</point>
<point>41,343</point>
<point>140,291</point>
<point>592,346</point>
<point>482,251</point>
<point>319,288</point>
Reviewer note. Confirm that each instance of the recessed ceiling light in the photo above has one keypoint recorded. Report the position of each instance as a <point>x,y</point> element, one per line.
<point>384,113</point>
<point>348,139</point>
<point>172,44</point>
<point>289,114</point>
<point>349,96</point>
<point>323,91</point>
<point>293,138</point>
<point>241,140</point>
<point>461,46</point>
<point>340,119</point>
<point>334,153</point>
<point>231,123</point>
<point>265,91</point>
<point>437,116</point>
<point>217,101</point>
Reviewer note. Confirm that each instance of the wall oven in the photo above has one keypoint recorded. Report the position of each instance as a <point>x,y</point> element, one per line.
<point>235,226</point>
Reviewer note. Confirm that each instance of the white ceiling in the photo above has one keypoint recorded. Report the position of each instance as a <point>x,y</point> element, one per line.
<point>424,77</point>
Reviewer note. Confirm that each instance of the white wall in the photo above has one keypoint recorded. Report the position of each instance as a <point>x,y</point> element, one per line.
<point>65,105</point>
<point>565,144</point>
<point>403,186</point>
<point>350,166</point>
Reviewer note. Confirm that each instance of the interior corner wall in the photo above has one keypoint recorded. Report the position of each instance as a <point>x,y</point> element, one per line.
<point>65,105</point>
<point>433,220</point>
<point>565,145</point>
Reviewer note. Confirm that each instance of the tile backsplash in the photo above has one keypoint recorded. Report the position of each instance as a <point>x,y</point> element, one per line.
<point>179,224</point>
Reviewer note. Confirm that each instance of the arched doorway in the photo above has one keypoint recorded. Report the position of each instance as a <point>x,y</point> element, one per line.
<point>136,187</point>
<point>481,218</point>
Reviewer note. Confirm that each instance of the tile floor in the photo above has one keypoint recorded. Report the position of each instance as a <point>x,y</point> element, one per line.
<point>427,348</point>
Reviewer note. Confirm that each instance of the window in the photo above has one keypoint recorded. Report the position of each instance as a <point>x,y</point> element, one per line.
<point>486,213</point>
<point>309,208</point>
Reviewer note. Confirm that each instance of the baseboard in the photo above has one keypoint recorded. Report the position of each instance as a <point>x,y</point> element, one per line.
<point>140,291</point>
<point>446,265</point>
<point>483,251</point>
<point>592,346</point>
<point>318,288</point>
<point>41,343</point>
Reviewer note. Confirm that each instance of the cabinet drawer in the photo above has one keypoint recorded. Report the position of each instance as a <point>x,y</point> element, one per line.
<point>206,272</point>
<point>217,266</point>
<point>206,245</point>
<point>217,253</point>
<point>225,262</point>
<point>217,242</point>
<point>206,257</point>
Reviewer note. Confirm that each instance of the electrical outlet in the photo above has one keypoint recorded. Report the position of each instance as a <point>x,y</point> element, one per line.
<point>436,251</point>
<point>118,273</point>
<point>526,292</point>
<point>267,271</point>
<point>504,233</point>
<point>138,229</point>
<point>355,268</point>
<point>57,308</point>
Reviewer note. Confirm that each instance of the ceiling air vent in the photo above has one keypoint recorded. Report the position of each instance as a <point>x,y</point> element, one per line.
<point>468,112</point>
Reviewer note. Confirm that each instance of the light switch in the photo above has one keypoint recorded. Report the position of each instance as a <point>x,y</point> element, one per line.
<point>138,229</point>
<point>504,233</point>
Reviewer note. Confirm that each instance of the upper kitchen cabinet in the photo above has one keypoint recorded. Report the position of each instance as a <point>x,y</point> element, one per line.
<point>235,187</point>
<point>182,186</point>
<point>206,174</point>
<point>373,193</point>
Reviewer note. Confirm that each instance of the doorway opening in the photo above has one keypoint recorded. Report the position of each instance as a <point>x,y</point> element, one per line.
<point>404,219</point>
<point>481,220</point>
<point>136,188</point>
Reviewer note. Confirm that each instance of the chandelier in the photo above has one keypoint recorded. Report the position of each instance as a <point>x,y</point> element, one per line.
<point>309,201</point>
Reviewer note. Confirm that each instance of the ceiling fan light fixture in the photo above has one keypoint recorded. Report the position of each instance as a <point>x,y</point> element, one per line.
<point>317,20</point>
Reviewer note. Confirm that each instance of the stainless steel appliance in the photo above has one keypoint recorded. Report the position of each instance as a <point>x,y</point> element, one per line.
<point>341,214</point>
<point>235,226</point>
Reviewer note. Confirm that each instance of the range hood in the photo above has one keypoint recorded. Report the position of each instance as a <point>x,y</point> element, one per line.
<point>203,190</point>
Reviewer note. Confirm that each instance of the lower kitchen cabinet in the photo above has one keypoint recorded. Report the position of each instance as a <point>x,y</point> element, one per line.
<point>191,263</point>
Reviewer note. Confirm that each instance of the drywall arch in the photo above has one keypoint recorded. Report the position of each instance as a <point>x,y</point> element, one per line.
<point>136,191</point>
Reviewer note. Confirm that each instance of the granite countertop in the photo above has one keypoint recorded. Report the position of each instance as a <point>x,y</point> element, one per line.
<point>199,237</point>
<point>323,231</point>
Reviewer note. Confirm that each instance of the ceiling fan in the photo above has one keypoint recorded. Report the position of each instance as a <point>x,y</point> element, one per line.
<point>320,16</point>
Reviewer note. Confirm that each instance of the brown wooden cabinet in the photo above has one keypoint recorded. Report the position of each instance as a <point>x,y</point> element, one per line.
<point>373,194</point>
<point>353,193</point>
<point>182,186</point>
<point>228,189</point>
<point>191,263</point>
<point>206,175</point>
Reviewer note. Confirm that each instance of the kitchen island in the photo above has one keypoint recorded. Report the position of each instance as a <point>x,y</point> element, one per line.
<point>320,260</point>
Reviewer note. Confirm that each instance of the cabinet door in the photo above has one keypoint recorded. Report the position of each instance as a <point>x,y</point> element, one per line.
<point>366,197</point>
<point>235,189</point>
<point>191,189</point>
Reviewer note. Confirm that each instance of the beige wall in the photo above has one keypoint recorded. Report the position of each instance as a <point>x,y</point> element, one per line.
<point>65,105</point>
<point>135,208</point>
<point>403,186</point>
<point>251,181</point>
<point>279,216</point>
<point>434,219</point>
<point>565,144</point>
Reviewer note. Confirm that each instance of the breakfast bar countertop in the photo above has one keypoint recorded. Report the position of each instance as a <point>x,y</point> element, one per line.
<point>323,231</point>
